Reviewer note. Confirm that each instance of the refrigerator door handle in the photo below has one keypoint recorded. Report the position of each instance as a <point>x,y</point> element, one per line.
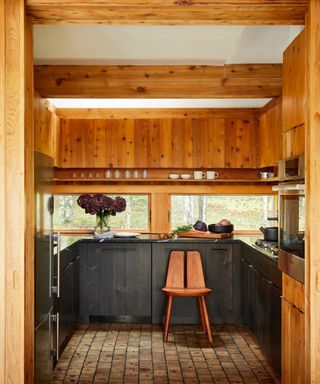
<point>56,319</point>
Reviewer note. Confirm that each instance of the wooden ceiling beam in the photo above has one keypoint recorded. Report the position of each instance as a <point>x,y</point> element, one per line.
<point>168,12</point>
<point>229,81</point>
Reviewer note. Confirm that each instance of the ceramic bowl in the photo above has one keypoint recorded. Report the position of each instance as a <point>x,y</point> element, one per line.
<point>185,176</point>
<point>174,176</point>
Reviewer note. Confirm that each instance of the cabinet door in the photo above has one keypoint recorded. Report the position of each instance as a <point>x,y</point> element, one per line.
<point>65,305</point>
<point>119,282</point>
<point>294,83</point>
<point>75,289</point>
<point>293,341</point>
<point>275,322</point>
<point>246,301</point>
<point>222,267</point>
<point>184,309</point>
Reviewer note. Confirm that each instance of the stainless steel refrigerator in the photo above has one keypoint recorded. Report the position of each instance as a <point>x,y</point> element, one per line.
<point>43,268</point>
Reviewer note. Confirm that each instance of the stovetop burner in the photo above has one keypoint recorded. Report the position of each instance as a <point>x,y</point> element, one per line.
<point>269,246</point>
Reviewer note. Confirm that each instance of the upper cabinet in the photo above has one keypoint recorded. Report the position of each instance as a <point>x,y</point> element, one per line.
<point>158,143</point>
<point>270,135</point>
<point>294,83</point>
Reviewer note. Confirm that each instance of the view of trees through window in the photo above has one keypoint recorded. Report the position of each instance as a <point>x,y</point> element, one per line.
<point>247,212</point>
<point>68,214</point>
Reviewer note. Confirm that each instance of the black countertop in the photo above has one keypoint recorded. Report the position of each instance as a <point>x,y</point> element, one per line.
<point>67,240</point>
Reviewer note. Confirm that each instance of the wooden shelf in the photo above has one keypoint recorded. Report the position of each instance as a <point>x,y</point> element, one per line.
<point>150,180</point>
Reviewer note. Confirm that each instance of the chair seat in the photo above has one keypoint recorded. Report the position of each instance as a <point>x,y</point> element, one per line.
<point>186,291</point>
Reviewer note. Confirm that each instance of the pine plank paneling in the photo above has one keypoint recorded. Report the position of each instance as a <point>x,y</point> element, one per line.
<point>158,143</point>
<point>155,113</point>
<point>159,81</point>
<point>241,143</point>
<point>293,142</point>
<point>294,83</point>
<point>270,136</point>
<point>168,12</point>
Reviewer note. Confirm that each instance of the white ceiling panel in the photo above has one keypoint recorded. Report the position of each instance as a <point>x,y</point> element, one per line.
<point>159,103</point>
<point>100,44</point>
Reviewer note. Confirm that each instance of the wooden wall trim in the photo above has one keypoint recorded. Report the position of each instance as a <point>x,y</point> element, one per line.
<point>15,210</point>
<point>155,113</point>
<point>312,159</point>
<point>272,103</point>
<point>168,12</point>
<point>29,206</point>
<point>159,81</point>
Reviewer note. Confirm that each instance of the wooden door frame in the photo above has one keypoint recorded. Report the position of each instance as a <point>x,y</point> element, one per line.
<point>312,160</point>
<point>16,195</point>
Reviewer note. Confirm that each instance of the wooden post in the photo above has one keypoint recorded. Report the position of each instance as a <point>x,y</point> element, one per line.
<point>16,195</point>
<point>312,276</point>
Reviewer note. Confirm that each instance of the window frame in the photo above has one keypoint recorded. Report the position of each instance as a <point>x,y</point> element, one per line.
<point>90,231</point>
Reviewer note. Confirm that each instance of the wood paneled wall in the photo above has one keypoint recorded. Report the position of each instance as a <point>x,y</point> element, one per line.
<point>270,135</point>
<point>46,127</point>
<point>16,195</point>
<point>294,83</point>
<point>154,143</point>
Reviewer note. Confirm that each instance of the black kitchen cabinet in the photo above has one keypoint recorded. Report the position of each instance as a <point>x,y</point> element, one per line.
<point>220,265</point>
<point>115,282</point>
<point>221,268</point>
<point>261,304</point>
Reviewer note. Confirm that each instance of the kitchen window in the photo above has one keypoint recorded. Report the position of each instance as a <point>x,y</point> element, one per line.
<point>246,212</point>
<point>68,215</point>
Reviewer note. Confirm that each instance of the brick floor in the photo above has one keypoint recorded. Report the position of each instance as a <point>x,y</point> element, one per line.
<point>135,353</point>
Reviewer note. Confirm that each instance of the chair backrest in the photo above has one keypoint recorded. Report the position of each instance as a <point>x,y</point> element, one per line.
<point>176,270</point>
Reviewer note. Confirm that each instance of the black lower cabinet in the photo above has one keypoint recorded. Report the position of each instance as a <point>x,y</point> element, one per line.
<point>220,264</point>
<point>261,309</point>
<point>115,282</point>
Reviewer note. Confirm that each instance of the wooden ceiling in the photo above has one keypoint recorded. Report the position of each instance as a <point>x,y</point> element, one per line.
<point>229,81</point>
<point>168,12</point>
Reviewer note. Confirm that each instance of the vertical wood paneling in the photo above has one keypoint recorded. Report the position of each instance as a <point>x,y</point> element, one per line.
<point>140,142</point>
<point>159,143</point>
<point>29,205</point>
<point>270,136</point>
<point>160,212</point>
<point>293,142</point>
<point>241,145</point>
<point>16,260</point>
<point>294,83</point>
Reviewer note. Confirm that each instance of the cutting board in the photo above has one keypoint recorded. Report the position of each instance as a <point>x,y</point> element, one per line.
<point>205,235</point>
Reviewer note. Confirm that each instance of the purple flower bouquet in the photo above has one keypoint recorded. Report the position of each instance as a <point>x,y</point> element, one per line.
<point>103,207</point>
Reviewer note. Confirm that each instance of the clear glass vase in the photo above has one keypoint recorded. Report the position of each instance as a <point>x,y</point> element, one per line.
<point>102,225</point>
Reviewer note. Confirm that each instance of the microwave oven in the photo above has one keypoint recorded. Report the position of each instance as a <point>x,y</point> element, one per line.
<point>291,168</point>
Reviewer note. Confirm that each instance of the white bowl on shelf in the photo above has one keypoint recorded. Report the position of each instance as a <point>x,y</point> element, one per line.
<point>185,176</point>
<point>173,176</point>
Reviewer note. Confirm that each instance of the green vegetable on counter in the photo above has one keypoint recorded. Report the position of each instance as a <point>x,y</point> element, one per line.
<point>183,228</point>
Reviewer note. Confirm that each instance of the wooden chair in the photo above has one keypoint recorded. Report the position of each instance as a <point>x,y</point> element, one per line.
<point>193,285</point>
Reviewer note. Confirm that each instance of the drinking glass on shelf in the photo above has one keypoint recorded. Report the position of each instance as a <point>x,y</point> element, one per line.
<point>108,174</point>
<point>145,174</point>
<point>82,175</point>
<point>136,174</point>
<point>97,175</point>
<point>90,175</point>
<point>127,174</point>
<point>74,175</point>
<point>117,174</point>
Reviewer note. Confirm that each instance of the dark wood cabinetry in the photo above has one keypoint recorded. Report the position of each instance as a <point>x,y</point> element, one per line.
<point>116,282</point>
<point>220,263</point>
<point>261,304</point>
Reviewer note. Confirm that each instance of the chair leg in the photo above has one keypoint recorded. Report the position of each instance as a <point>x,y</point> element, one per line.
<point>206,318</point>
<point>167,320</point>
<point>203,325</point>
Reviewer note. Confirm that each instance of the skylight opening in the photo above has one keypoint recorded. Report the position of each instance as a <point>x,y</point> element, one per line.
<point>159,103</point>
